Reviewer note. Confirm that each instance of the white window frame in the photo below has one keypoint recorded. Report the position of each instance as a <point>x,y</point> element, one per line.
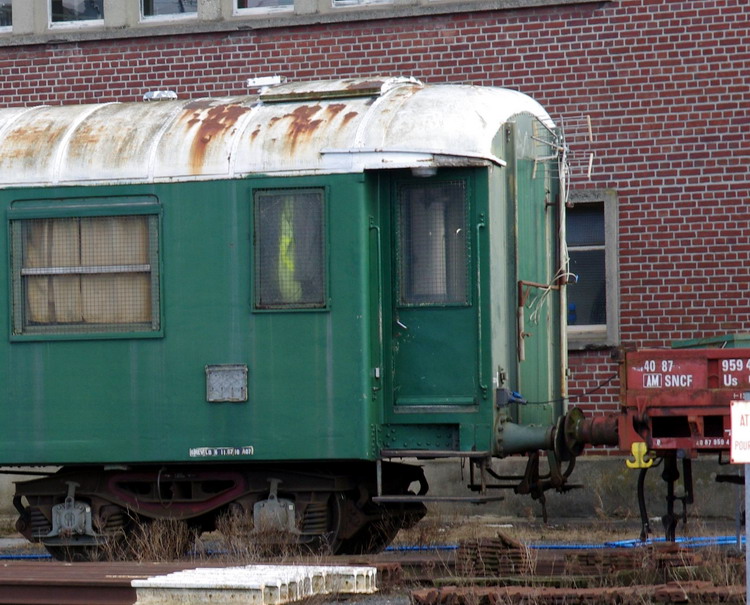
<point>167,17</point>
<point>81,23</point>
<point>7,29</point>
<point>601,335</point>
<point>340,3</point>
<point>260,9</point>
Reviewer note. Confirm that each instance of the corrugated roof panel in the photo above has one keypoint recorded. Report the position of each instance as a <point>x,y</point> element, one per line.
<point>200,139</point>
<point>290,136</point>
<point>32,143</point>
<point>392,123</point>
<point>114,142</point>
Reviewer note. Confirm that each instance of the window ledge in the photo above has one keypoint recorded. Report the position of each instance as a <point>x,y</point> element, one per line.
<point>275,19</point>
<point>586,338</point>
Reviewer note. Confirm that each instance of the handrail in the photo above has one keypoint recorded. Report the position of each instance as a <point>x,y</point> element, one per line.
<point>480,356</point>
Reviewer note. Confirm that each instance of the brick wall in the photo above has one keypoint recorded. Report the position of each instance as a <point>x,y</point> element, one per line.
<point>666,84</point>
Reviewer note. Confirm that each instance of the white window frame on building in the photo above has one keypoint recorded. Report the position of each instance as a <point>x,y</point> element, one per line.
<point>122,19</point>
<point>6,6</point>
<point>264,6</point>
<point>82,22</point>
<point>165,16</point>
<point>584,336</point>
<point>359,2</point>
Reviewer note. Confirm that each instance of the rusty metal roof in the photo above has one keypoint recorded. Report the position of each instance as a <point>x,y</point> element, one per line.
<point>296,128</point>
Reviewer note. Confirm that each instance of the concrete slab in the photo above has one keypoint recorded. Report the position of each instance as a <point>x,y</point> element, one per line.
<point>254,584</point>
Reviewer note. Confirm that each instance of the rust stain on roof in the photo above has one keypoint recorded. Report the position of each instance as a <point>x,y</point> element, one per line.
<point>34,141</point>
<point>349,116</point>
<point>334,109</point>
<point>302,125</point>
<point>209,122</point>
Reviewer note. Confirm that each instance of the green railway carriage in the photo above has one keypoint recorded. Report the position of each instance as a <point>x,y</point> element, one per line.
<point>262,304</point>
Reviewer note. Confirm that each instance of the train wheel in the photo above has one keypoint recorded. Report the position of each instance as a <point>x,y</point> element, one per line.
<point>378,533</point>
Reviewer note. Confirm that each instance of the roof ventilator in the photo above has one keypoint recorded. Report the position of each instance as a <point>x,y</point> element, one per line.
<point>160,95</point>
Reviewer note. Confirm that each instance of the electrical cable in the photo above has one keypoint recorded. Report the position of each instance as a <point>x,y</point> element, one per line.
<point>597,388</point>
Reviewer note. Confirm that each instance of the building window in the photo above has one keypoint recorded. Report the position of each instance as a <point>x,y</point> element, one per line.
<point>155,8</point>
<point>593,308</point>
<point>85,274</point>
<point>290,266</point>
<point>64,11</point>
<point>432,254</point>
<point>359,2</point>
<point>262,5</point>
<point>6,13</point>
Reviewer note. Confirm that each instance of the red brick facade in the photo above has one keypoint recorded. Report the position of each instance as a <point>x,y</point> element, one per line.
<point>666,83</point>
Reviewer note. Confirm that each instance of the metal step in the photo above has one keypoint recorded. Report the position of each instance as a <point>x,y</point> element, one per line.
<point>431,454</point>
<point>466,499</point>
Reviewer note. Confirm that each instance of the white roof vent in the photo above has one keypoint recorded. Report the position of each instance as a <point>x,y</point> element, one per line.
<point>263,81</point>
<point>160,95</point>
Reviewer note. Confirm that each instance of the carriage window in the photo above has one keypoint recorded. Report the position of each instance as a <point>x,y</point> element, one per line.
<point>433,260</point>
<point>289,249</point>
<point>85,274</point>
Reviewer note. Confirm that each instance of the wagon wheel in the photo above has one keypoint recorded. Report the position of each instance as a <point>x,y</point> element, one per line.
<point>380,532</point>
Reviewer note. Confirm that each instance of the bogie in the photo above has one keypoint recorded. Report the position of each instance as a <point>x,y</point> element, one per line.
<point>109,513</point>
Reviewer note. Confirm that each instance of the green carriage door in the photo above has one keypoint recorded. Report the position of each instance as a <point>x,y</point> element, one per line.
<point>434,318</point>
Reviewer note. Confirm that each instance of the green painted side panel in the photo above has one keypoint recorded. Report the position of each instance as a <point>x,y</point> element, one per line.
<point>534,189</point>
<point>436,358</point>
<point>435,361</point>
<point>144,399</point>
<point>421,436</point>
<point>322,383</point>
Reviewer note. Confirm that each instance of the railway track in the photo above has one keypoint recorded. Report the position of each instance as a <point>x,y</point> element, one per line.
<point>482,571</point>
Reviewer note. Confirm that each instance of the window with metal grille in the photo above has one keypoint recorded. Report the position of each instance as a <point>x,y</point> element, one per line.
<point>432,244</point>
<point>290,268</point>
<point>85,274</point>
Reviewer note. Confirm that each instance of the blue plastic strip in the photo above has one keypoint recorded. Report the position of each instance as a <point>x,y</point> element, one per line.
<point>23,557</point>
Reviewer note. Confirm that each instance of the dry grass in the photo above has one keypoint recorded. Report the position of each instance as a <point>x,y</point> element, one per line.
<point>8,526</point>
<point>452,528</point>
<point>238,540</point>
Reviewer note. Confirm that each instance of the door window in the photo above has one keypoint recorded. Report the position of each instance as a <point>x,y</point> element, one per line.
<point>432,244</point>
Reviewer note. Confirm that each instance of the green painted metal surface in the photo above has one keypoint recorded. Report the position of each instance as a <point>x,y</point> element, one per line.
<point>385,363</point>
<point>534,195</point>
<point>89,398</point>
